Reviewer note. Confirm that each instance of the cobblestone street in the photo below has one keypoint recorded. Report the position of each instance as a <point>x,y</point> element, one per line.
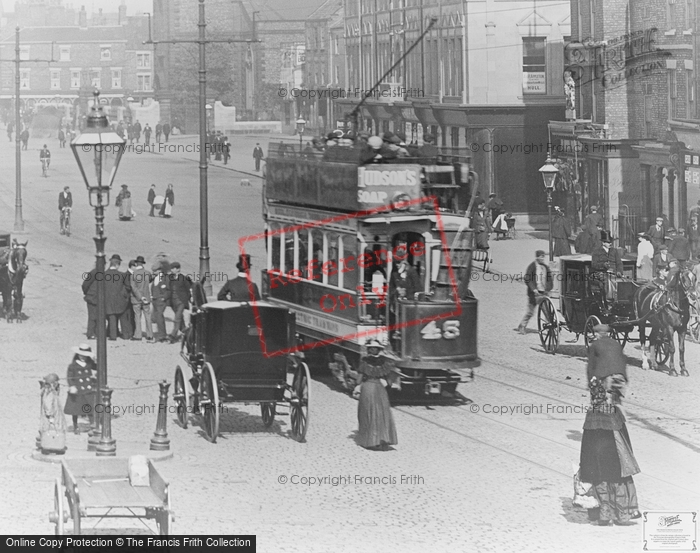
<point>462,477</point>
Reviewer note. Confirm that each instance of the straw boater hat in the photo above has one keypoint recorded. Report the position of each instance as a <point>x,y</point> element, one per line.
<point>374,343</point>
<point>84,350</point>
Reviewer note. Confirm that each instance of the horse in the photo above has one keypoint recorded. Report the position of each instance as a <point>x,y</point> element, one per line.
<point>666,310</point>
<point>12,275</point>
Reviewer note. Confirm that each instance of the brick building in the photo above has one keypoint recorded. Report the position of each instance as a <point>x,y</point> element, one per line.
<point>249,74</point>
<point>105,51</point>
<point>487,75</point>
<point>633,66</point>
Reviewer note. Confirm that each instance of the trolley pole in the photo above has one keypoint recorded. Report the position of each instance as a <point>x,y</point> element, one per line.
<point>549,208</point>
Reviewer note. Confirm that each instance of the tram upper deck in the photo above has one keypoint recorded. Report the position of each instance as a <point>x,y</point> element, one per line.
<point>306,178</point>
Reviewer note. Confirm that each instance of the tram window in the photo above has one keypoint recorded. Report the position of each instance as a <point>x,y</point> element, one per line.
<point>275,240</point>
<point>314,242</point>
<point>332,259</point>
<point>350,278</point>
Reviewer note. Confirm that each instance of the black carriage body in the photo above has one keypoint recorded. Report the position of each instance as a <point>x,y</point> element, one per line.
<point>577,302</point>
<point>246,347</point>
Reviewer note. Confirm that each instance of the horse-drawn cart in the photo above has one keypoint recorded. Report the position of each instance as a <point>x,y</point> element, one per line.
<point>101,488</point>
<point>242,353</point>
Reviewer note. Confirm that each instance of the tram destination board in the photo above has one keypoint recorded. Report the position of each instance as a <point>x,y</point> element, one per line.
<point>340,186</point>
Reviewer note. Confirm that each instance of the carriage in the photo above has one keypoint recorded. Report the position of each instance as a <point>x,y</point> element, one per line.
<point>580,310</point>
<point>242,352</point>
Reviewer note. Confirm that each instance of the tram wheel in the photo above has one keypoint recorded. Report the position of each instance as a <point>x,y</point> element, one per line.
<point>268,411</point>
<point>588,333</point>
<point>299,402</point>
<point>209,402</point>
<point>180,397</point>
<point>548,326</point>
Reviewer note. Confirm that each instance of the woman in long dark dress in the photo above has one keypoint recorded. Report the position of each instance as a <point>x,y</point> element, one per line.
<point>166,210</point>
<point>607,460</point>
<point>481,223</point>
<point>377,428</point>
<point>82,385</point>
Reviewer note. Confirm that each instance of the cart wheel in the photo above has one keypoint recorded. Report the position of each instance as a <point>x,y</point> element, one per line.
<point>180,397</point>
<point>588,334</point>
<point>548,326</point>
<point>299,403</point>
<point>694,322</point>
<point>209,402</point>
<point>621,336</point>
<point>662,352</point>
<point>268,413</point>
<point>57,516</point>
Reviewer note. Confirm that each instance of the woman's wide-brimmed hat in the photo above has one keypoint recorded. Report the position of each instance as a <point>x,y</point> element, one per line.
<point>84,350</point>
<point>374,343</point>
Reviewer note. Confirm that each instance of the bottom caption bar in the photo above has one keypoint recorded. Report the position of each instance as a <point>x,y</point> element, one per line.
<point>127,544</point>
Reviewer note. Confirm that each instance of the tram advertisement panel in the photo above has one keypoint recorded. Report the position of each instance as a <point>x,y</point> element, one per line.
<point>384,184</point>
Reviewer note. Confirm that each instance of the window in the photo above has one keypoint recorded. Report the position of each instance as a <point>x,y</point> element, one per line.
<point>143,82</point>
<point>105,53</point>
<point>24,79</point>
<point>689,95</point>
<point>534,64</point>
<point>64,53</point>
<point>672,94</point>
<point>75,78</point>
<point>350,250</point>
<point>95,78</point>
<point>143,60</point>
<point>330,246</point>
<point>335,45</point>
<point>24,52</point>
<point>55,79</point>
<point>116,78</point>
<point>648,109</point>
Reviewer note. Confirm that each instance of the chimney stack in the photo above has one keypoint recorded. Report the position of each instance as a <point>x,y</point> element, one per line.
<point>82,18</point>
<point>122,13</point>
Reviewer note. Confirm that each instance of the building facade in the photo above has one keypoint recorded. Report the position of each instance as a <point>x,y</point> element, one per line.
<point>487,76</point>
<point>633,65</point>
<point>105,52</point>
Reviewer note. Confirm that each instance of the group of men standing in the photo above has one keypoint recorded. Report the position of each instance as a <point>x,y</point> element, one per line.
<point>129,296</point>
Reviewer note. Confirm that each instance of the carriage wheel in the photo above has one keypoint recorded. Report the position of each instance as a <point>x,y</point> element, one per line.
<point>268,413</point>
<point>662,352</point>
<point>621,336</point>
<point>588,334</point>
<point>694,322</point>
<point>180,397</point>
<point>209,402</point>
<point>548,326</point>
<point>58,513</point>
<point>299,403</point>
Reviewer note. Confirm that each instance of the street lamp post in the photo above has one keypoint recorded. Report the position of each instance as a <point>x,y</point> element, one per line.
<point>208,108</point>
<point>301,125</point>
<point>549,173</point>
<point>98,151</point>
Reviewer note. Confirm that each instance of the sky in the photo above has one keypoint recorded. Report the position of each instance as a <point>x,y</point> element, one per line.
<point>133,6</point>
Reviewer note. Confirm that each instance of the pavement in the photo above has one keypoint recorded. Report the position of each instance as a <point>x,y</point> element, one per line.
<point>494,475</point>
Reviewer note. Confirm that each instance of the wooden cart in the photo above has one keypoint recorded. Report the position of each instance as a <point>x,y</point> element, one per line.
<point>100,488</point>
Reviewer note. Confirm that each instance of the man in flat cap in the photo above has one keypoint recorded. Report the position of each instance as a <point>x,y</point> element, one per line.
<point>239,288</point>
<point>538,279</point>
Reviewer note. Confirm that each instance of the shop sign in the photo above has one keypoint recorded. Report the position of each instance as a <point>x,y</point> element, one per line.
<point>534,82</point>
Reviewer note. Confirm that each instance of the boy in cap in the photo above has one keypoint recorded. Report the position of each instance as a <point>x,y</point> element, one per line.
<point>240,288</point>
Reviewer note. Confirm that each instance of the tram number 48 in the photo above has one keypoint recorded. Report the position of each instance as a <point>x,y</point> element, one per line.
<point>449,331</point>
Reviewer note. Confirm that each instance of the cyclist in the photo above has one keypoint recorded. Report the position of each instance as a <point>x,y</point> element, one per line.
<point>45,157</point>
<point>65,203</point>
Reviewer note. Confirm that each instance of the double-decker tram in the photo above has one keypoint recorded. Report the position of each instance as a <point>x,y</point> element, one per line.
<point>378,250</point>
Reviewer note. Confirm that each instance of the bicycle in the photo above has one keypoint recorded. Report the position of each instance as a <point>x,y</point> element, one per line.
<point>65,221</point>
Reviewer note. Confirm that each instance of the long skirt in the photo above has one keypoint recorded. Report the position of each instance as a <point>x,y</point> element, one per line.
<point>374,416</point>
<point>125,209</point>
<point>562,247</point>
<point>607,462</point>
<point>76,404</point>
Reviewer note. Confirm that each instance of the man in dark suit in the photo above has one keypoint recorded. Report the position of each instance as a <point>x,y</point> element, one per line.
<point>657,233</point>
<point>538,279</point>
<point>90,297</point>
<point>662,259</point>
<point>239,288</point>
<point>65,199</point>
<point>117,296</point>
<point>680,247</point>
<point>606,264</point>
<point>151,199</point>
<point>180,286</point>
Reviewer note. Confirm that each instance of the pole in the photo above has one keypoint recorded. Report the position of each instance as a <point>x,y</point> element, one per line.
<point>203,186</point>
<point>301,137</point>
<point>549,208</point>
<point>19,221</point>
<point>100,239</point>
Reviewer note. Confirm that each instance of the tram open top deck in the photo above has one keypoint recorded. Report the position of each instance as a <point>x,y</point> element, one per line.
<point>352,187</point>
